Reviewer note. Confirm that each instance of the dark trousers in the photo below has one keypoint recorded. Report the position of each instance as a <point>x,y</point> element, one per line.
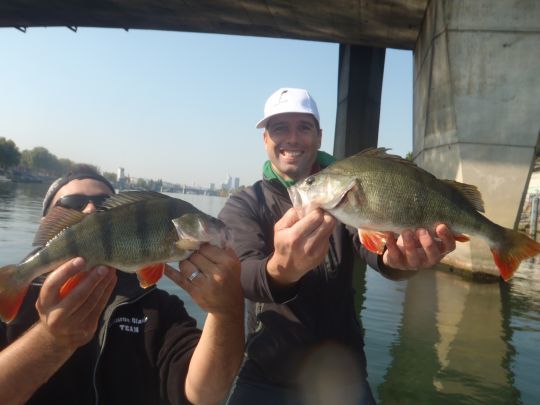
<point>250,393</point>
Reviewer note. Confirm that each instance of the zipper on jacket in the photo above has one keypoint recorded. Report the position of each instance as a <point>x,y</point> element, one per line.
<point>102,346</point>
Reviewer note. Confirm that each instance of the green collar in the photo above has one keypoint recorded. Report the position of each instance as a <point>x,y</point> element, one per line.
<point>323,160</point>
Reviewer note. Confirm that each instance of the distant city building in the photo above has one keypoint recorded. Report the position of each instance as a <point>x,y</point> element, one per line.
<point>212,186</point>
<point>228,183</point>
<point>120,179</point>
<point>236,182</point>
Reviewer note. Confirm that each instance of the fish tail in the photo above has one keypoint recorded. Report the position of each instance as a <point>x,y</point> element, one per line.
<point>12,292</point>
<point>514,248</point>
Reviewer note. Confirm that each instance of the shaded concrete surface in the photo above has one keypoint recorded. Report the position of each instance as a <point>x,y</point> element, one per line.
<point>477,104</point>
<point>360,79</point>
<point>383,23</point>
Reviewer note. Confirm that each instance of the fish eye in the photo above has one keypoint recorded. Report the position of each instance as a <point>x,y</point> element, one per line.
<point>310,180</point>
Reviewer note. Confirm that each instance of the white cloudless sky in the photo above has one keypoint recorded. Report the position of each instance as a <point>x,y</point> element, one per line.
<point>176,106</point>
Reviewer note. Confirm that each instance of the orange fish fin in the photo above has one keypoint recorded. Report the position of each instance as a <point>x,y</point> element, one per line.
<point>11,294</point>
<point>150,274</point>
<point>461,238</point>
<point>516,247</point>
<point>373,241</point>
<point>70,284</point>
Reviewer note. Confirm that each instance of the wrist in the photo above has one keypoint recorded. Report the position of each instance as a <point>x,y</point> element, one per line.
<point>278,273</point>
<point>52,342</point>
<point>232,315</point>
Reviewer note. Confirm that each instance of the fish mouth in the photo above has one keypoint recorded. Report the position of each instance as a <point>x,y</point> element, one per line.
<point>304,201</point>
<point>295,196</point>
<point>298,202</point>
<point>202,228</point>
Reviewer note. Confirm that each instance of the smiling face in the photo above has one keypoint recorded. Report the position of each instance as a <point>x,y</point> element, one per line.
<point>291,141</point>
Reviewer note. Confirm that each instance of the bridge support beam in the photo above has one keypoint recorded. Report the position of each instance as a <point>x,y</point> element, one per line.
<point>477,105</point>
<point>360,78</point>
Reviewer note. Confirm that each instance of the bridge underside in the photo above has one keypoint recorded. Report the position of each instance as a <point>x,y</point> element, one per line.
<point>380,23</point>
<point>476,87</point>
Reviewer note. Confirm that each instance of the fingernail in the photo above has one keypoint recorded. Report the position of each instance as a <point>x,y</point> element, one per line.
<point>102,270</point>
<point>78,261</point>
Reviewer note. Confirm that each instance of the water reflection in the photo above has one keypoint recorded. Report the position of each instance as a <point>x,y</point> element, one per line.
<point>20,212</point>
<point>454,341</point>
<point>474,342</point>
<point>436,338</point>
<point>523,296</point>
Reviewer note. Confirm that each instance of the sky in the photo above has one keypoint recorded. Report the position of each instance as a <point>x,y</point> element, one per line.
<point>176,106</point>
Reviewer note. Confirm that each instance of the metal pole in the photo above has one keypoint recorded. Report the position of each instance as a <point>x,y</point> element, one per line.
<point>534,216</point>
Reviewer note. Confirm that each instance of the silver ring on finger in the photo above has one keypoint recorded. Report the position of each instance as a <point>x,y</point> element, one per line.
<point>194,275</point>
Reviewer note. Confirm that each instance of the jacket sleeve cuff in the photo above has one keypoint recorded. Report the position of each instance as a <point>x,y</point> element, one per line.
<point>280,294</point>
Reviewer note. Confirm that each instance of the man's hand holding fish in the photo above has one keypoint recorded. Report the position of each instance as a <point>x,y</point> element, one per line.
<point>418,249</point>
<point>71,320</point>
<point>207,277</point>
<point>298,263</point>
<point>300,245</point>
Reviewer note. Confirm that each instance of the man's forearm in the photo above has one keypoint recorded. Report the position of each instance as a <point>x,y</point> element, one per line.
<point>216,359</point>
<point>28,363</point>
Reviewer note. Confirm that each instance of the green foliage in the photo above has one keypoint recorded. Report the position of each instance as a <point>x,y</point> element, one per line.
<point>110,176</point>
<point>65,165</point>
<point>9,153</point>
<point>409,156</point>
<point>153,185</point>
<point>141,183</point>
<point>92,166</point>
<point>40,160</point>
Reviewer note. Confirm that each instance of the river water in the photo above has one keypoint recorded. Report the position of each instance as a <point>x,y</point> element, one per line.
<point>434,339</point>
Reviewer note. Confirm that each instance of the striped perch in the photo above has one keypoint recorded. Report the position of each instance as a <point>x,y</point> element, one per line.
<point>136,232</point>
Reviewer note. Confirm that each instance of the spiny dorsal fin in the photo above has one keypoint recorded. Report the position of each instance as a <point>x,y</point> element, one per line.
<point>470,192</point>
<point>130,197</point>
<point>380,153</point>
<point>58,219</point>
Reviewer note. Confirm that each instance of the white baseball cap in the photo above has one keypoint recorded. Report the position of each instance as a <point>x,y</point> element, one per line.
<point>289,100</point>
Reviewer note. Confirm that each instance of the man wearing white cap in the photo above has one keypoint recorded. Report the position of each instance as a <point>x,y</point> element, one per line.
<point>305,344</point>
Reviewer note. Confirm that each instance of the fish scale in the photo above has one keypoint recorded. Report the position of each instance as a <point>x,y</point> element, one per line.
<point>377,192</point>
<point>405,198</point>
<point>132,232</point>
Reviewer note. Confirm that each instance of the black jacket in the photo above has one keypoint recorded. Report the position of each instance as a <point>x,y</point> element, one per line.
<point>318,309</point>
<point>139,355</point>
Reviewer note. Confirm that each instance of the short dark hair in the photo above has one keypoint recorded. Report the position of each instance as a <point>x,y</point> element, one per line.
<point>79,172</point>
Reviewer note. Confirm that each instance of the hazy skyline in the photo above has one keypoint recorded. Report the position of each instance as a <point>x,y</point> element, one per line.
<point>175,106</point>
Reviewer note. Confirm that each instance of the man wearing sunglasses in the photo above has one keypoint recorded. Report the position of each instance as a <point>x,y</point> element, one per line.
<point>109,341</point>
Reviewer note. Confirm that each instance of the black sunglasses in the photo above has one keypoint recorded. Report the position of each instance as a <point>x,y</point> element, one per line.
<point>80,201</point>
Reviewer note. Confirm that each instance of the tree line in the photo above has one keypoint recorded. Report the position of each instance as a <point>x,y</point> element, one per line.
<point>40,161</point>
<point>37,160</point>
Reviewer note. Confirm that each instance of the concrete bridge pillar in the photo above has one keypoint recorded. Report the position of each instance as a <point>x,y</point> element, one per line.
<point>360,79</point>
<point>477,105</point>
